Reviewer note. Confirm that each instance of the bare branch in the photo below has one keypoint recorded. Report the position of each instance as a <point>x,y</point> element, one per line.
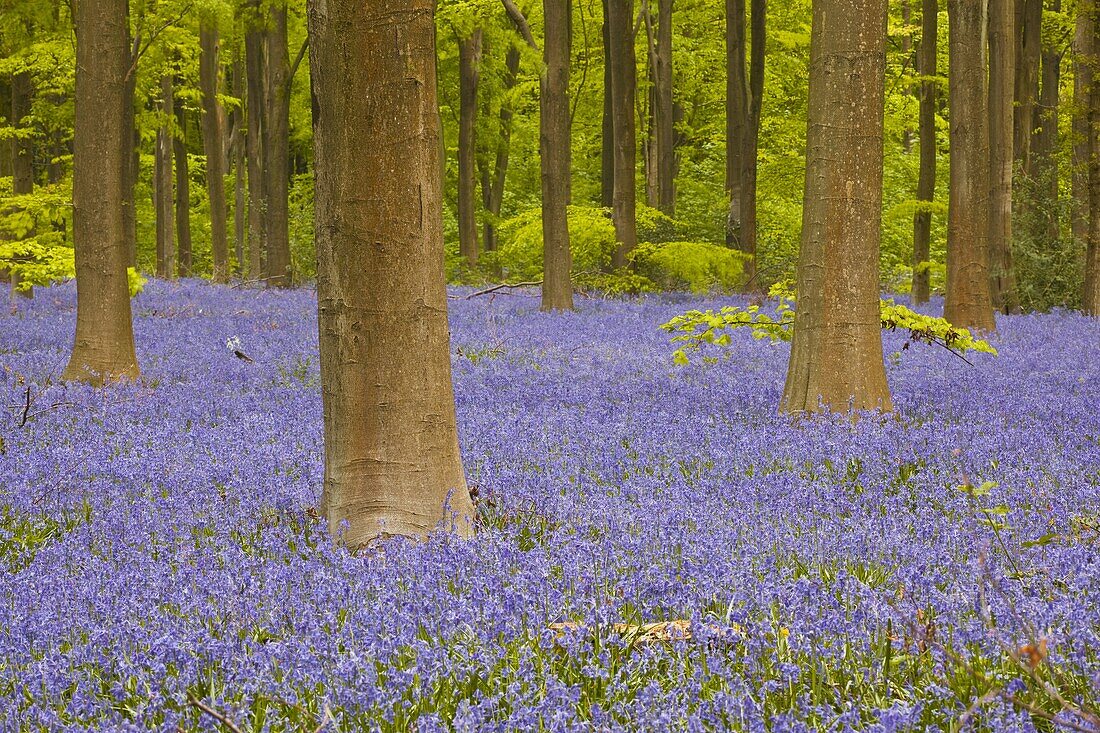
<point>222,718</point>
<point>297,62</point>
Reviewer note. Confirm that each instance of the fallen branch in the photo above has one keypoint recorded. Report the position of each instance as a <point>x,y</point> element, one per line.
<point>222,718</point>
<point>502,286</point>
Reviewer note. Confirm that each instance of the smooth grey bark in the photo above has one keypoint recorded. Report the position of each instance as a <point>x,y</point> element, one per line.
<point>213,134</point>
<point>555,149</point>
<point>469,78</point>
<point>624,86</point>
<point>1002,76</point>
<point>392,463</point>
<point>836,353</point>
<point>163,184</point>
<point>103,348</point>
<point>968,303</point>
<point>184,258</point>
<point>926,183</point>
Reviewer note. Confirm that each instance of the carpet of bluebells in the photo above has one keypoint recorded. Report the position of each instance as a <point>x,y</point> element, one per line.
<point>162,566</point>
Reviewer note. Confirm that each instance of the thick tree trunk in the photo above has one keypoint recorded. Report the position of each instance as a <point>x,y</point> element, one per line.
<point>184,259</point>
<point>256,106</point>
<point>22,92</point>
<point>968,303</point>
<point>276,155</point>
<point>836,354</point>
<point>163,188</point>
<point>213,133</point>
<point>555,148</point>
<point>607,141</point>
<point>1002,74</point>
<point>926,183</point>
<point>492,185</point>
<point>1029,38</point>
<point>392,464</point>
<point>1090,300</point>
<point>103,349</point>
<point>624,88</point>
<point>469,75</point>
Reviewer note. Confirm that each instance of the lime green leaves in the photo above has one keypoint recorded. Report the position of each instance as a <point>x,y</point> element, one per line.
<point>695,328</point>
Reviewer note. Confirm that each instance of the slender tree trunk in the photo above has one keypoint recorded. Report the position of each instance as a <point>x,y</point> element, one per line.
<point>392,464</point>
<point>1090,300</point>
<point>926,183</point>
<point>663,111</point>
<point>555,148</point>
<point>276,155</point>
<point>836,354</point>
<point>624,87</point>
<point>1029,38</point>
<point>469,74</point>
<point>103,349</point>
<point>907,54</point>
<point>492,187</point>
<point>1082,82</point>
<point>968,303</point>
<point>1045,144</point>
<point>7,157</point>
<point>163,189</point>
<point>1002,74</point>
<point>752,138</point>
<point>131,146</point>
<point>737,113</point>
<point>22,93</point>
<point>238,135</point>
<point>744,96</point>
<point>607,151</point>
<point>256,106</point>
<point>213,133</point>
<point>183,197</point>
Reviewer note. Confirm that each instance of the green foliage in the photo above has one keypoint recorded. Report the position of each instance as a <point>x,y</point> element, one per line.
<point>695,328</point>
<point>303,252</point>
<point>656,227</point>
<point>616,284</point>
<point>32,235</point>
<point>591,237</point>
<point>696,266</point>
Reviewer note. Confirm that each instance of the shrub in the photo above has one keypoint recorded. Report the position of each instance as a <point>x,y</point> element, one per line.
<point>591,237</point>
<point>700,267</point>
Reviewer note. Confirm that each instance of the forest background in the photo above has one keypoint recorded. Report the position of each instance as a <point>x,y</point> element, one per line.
<point>489,104</point>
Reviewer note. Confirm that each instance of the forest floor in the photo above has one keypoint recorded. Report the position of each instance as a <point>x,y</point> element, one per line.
<point>161,564</point>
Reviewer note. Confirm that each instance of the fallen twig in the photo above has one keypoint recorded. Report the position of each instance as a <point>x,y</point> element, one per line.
<point>502,286</point>
<point>222,718</point>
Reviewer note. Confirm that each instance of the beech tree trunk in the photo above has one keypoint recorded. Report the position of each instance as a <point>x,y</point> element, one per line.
<point>256,109</point>
<point>131,149</point>
<point>1045,143</point>
<point>163,188</point>
<point>469,75</point>
<point>926,183</point>
<point>968,303</point>
<point>624,88</point>
<point>555,148</point>
<point>239,134</point>
<point>22,93</point>
<point>184,259</point>
<point>492,183</point>
<point>276,152</point>
<point>1082,82</point>
<point>213,133</point>
<point>1090,300</point>
<point>103,348</point>
<point>1029,38</point>
<point>607,142</point>
<point>836,354</point>
<point>392,463</point>
<point>744,94</point>
<point>1002,75</point>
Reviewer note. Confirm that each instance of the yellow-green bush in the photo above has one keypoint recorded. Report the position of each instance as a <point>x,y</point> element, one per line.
<point>697,266</point>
